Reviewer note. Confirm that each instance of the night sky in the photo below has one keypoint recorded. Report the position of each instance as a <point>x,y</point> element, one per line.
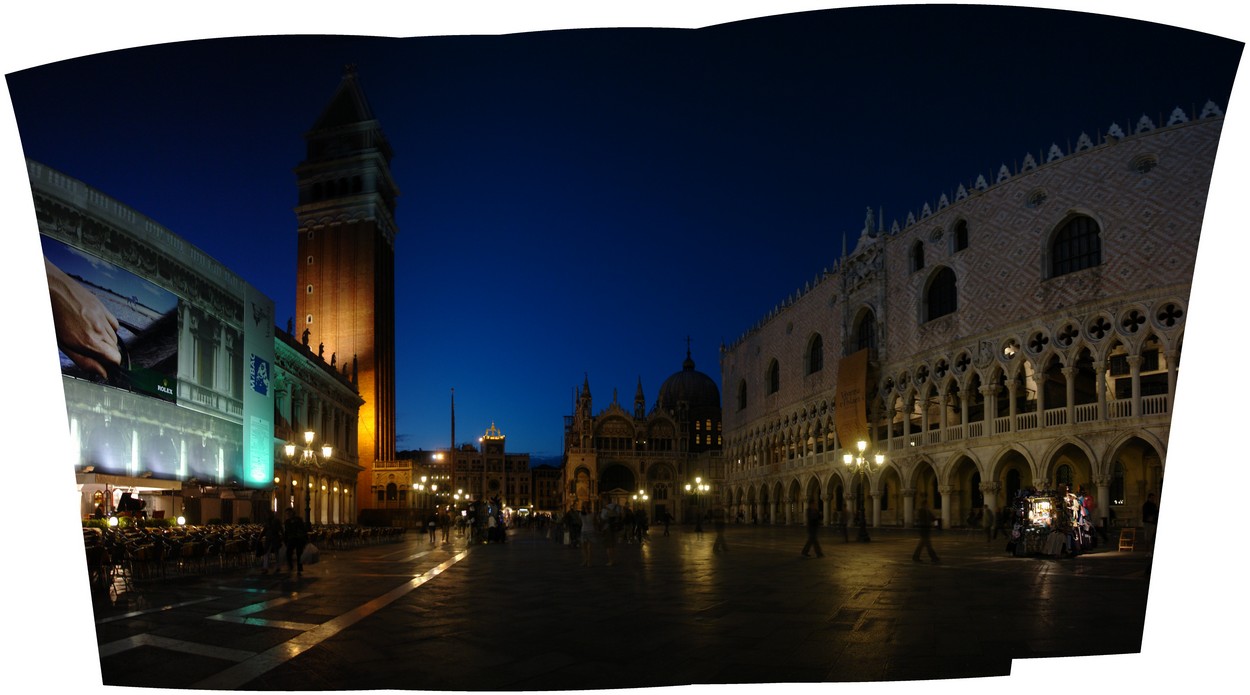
<point>580,202</point>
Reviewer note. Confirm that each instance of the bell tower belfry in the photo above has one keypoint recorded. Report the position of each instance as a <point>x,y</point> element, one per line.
<point>345,269</point>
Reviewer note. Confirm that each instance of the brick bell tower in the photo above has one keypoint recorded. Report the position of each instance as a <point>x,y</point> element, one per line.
<point>345,276</point>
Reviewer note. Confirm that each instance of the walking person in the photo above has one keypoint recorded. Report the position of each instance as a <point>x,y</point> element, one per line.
<point>813,528</point>
<point>924,524</point>
<point>718,523</point>
<point>588,533</point>
<point>990,523</point>
<point>667,519</point>
<point>431,525</point>
<point>295,534</point>
<point>612,520</point>
<point>273,544</point>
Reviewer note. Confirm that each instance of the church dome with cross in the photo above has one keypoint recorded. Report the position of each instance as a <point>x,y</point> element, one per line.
<point>694,396</point>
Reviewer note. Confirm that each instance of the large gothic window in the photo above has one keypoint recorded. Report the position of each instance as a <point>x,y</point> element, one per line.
<point>917,256</point>
<point>866,332</point>
<point>940,296</point>
<point>815,354</point>
<point>742,394</point>
<point>1077,246</point>
<point>959,236</point>
<point>774,377</point>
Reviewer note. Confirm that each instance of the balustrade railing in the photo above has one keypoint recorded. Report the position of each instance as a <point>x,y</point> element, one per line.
<point>1055,417</point>
<point>1154,405</point>
<point>1157,404</point>
<point>1087,412</point>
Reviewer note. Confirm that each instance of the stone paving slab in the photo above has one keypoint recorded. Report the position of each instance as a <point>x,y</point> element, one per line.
<point>525,615</point>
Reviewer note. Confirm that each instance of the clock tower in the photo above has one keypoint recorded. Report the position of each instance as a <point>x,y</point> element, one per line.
<point>345,269</point>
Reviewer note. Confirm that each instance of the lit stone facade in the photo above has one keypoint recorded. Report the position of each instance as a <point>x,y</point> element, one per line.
<point>618,453</point>
<point>1026,333</point>
<point>345,267</point>
<point>312,395</point>
<point>489,471</point>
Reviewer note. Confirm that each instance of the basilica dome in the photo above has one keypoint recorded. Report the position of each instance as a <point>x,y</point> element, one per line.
<point>696,389</point>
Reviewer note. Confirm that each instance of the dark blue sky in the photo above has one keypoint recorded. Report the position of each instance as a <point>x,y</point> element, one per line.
<point>578,202</point>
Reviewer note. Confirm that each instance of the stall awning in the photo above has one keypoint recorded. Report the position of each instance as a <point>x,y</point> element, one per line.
<point>128,482</point>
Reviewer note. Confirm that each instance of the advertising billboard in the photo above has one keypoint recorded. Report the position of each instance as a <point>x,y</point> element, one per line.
<point>166,356</point>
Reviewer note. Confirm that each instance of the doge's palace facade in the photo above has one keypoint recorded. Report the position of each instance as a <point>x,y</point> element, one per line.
<point>1026,333</point>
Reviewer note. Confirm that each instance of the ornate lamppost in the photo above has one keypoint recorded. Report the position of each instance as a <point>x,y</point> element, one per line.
<point>309,461</point>
<point>862,464</point>
<point>698,488</point>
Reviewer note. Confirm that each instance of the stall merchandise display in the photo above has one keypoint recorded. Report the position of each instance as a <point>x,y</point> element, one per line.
<point>1050,522</point>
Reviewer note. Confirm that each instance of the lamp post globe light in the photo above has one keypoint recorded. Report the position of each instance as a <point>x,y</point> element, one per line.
<point>640,500</point>
<point>698,489</point>
<point>306,458</point>
<point>862,464</point>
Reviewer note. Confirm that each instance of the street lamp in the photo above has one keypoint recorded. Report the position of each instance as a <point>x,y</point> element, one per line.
<point>858,464</point>
<point>699,488</point>
<point>308,460</point>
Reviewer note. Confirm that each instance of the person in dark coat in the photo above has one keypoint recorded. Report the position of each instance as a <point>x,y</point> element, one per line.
<point>272,544</point>
<point>295,534</point>
<point>813,528</point>
<point>924,523</point>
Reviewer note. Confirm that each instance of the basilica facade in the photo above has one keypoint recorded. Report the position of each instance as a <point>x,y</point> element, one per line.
<point>1025,332</point>
<point>646,458</point>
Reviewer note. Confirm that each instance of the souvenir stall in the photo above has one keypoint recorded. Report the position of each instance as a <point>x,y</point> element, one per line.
<point>1049,523</point>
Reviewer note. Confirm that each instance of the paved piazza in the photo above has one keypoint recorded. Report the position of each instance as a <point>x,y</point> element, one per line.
<point>526,616</point>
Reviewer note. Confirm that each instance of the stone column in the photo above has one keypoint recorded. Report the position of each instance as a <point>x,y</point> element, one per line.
<point>1172,357</point>
<point>946,491</point>
<point>1102,493</point>
<point>1069,374</point>
<point>963,413</point>
<point>990,492</point>
<point>1134,368</point>
<point>909,405</point>
<point>1100,387</point>
<point>909,506</point>
<point>991,404</point>
<point>943,418</point>
<point>876,509</point>
<point>1012,386</point>
<point>924,419</point>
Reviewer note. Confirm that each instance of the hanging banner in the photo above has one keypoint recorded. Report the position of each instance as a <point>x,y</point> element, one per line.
<point>258,389</point>
<point>850,411</point>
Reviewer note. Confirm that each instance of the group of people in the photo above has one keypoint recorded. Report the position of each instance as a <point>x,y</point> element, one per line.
<point>438,521</point>
<point>291,534</point>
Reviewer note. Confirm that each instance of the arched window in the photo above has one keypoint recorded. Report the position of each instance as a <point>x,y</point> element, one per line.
<point>774,377</point>
<point>940,296</point>
<point>815,354</point>
<point>917,256</point>
<point>742,394</point>
<point>959,236</point>
<point>1077,246</point>
<point>866,332</point>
